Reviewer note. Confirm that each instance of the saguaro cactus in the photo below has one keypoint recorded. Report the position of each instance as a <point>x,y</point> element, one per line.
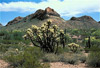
<point>88,43</point>
<point>47,37</point>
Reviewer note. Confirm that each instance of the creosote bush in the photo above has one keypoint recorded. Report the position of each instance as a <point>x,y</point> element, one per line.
<point>94,59</point>
<point>69,58</point>
<point>47,37</point>
<point>50,58</point>
<point>30,58</point>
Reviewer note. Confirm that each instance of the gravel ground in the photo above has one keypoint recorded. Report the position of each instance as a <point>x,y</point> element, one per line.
<point>3,64</point>
<point>62,65</point>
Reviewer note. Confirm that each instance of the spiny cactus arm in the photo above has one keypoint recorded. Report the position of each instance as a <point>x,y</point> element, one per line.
<point>33,41</point>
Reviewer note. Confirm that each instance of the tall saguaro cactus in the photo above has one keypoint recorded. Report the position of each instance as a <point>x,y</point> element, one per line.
<point>88,43</point>
<point>47,37</point>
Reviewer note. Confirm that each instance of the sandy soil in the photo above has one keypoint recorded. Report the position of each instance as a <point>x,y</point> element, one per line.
<point>3,64</point>
<point>62,65</point>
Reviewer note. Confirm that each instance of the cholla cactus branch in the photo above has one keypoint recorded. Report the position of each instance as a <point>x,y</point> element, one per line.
<point>73,47</point>
<point>47,37</point>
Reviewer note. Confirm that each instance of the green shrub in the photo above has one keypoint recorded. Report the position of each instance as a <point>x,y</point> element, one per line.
<point>62,50</point>
<point>94,59</point>
<point>50,58</point>
<point>69,58</point>
<point>72,60</point>
<point>29,58</point>
<point>95,48</point>
<point>82,58</point>
<point>86,50</point>
<point>9,41</point>
<point>4,48</point>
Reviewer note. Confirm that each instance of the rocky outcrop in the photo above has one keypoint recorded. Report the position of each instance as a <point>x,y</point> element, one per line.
<point>44,14</point>
<point>39,14</point>
<point>50,11</point>
<point>14,21</point>
<point>83,18</point>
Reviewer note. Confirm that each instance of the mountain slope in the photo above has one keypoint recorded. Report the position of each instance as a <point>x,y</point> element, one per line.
<point>41,16</point>
<point>84,22</point>
<point>1,25</point>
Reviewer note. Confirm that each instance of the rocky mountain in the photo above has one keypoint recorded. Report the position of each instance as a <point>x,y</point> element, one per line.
<point>84,22</point>
<point>1,25</point>
<point>41,16</point>
<point>14,21</point>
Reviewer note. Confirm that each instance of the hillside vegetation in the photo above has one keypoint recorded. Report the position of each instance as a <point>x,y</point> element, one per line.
<point>19,52</point>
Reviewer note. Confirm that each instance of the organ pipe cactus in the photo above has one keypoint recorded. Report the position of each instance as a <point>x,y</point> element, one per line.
<point>47,37</point>
<point>73,47</point>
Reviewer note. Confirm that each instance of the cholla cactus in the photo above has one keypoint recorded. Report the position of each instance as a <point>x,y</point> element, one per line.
<point>47,37</point>
<point>73,47</point>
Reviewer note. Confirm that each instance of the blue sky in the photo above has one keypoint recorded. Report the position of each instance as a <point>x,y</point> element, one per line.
<point>9,9</point>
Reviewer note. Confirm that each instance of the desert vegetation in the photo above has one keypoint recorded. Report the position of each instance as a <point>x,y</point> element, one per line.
<point>37,47</point>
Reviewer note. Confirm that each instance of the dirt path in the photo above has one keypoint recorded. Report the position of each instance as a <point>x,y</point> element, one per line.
<point>62,65</point>
<point>3,64</point>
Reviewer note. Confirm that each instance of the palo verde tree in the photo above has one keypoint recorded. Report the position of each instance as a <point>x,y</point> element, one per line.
<point>48,37</point>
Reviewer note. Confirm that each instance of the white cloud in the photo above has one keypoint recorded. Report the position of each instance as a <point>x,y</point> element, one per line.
<point>65,7</point>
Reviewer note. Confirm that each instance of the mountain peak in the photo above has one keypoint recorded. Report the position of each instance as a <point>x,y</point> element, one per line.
<point>87,17</point>
<point>44,14</point>
<point>82,18</point>
<point>15,20</point>
<point>50,11</point>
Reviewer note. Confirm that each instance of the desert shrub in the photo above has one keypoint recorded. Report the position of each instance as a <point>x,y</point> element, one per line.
<point>94,59</point>
<point>11,37</point>
<point>62,50</point>
<point>25,42</point>
<point>17,35</point>
<point>80,49</point>
<point>29,58</point>
<point>72,60</point>
<point>69,58</point>
<point>8,49</point>
<point>9,41</point>
<point>4,48</point>
<point>87,49</point>
<point>83,58</point>
<point>50,58</point>
<point>2,33</point>
<point>93,48</point>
